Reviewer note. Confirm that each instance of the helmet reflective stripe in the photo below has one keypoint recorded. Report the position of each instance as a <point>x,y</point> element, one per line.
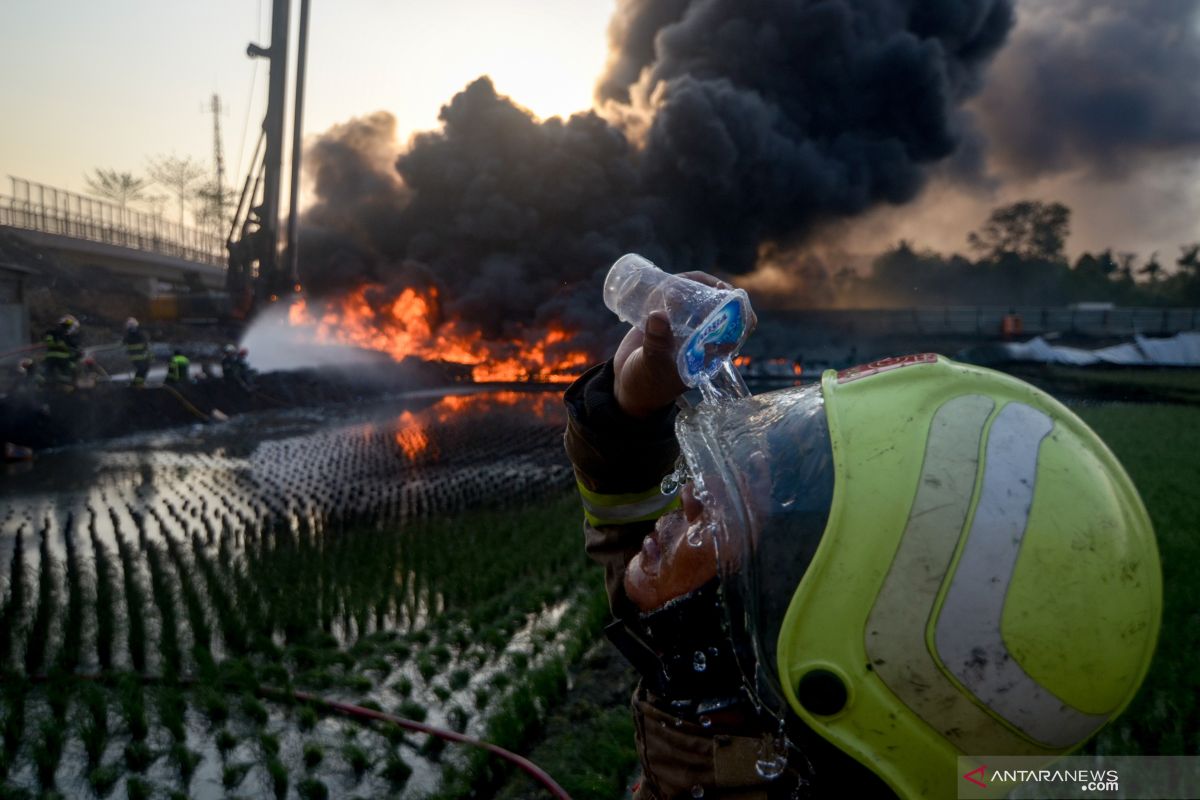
<point>968,636</point>
<point>619,509</point>
<point>906,600</point>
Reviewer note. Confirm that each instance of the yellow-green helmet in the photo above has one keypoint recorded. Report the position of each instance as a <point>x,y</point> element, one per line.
<point>926,559</point>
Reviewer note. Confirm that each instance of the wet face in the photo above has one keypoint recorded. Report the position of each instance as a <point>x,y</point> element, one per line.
<point>677,558</point>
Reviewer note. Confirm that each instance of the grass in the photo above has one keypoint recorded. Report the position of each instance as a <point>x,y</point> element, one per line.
<point>1158,447</point>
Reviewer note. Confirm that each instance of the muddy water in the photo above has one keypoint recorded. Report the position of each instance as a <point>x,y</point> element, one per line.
<point>199,534</point>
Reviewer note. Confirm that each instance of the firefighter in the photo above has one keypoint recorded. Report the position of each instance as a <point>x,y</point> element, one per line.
<point>177,369</point>
<point>817,611</point>
<point>63,353</point>
<point>137,347</point>
<point>232,366</point>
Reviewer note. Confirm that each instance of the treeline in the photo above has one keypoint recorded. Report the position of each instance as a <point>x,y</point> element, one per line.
<point>1019,259</point>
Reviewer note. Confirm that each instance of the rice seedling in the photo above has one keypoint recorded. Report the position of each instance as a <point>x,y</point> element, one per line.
<point>37,637</point>
<point>137,789</point>
<point>68,655</point>
<point>312,789</point>
<point>232,775</point>
<point>133,706</point>
<point>358,760</point>
<point>171,708</point>
<point>164,601</point>
<point>47,752</point>
<point>441,693</point>
<point>14,609</point>
<point>225,741</point>
<point>269,743</point>
<point>103,778</point>
<point>306,718</point>
<point>459,679</point>
<point>410,709</point>
<point>397,772</point>
<point>105,603</point>
<point>313,754</point>
<point>93,730</point>
<point>279,777</point>
<point>212,704</point>
<point>254,709</point>
<point>185,761</point>
<point>139,756</point>
<point>134,606</point>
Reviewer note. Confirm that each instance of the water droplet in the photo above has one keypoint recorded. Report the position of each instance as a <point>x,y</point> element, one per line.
<point>669,484</point>
<point>699,662</point>
<point>772,756</point>
<point>697,791</point>
<point>705,721</point>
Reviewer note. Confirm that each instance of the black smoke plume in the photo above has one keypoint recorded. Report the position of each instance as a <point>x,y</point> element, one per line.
<point>1099,86</point>
<point>726,125</point>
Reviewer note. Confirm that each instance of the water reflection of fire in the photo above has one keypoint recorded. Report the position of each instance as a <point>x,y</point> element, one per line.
<point>407,325</point>
<point>412,429</point>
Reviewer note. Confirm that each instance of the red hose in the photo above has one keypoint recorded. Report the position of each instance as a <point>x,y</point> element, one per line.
<point>527,766</point>
<point>358,712</point>
<point>20,350</point>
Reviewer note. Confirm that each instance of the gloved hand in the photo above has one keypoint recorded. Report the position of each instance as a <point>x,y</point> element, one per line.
<point>646,378</point>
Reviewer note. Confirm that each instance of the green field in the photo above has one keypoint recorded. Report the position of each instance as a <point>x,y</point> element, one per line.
<point>142,644</point>
<point>1159,446</point>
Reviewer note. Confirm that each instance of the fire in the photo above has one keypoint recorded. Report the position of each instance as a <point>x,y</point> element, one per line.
<point>416,433</point>
<point>408,324</point>
<point>410,435</point>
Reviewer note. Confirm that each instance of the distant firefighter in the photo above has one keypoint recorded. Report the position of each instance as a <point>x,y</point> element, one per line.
<point>234,367</point>
<point>177,369</point>
<point>137,347</point>
<point>63,353</point>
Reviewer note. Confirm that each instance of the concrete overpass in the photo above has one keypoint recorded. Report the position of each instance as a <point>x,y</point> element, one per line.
<point>89,232</point>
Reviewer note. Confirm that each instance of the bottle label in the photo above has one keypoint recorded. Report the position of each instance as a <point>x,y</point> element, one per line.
<point>714,340</point>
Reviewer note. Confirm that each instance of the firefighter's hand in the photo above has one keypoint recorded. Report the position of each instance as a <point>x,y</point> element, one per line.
<point>647,379</point>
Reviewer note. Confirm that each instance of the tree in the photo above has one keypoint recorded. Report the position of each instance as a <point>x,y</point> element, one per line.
<point>180,175</point>
<point>1030,230</point>
<point>1189,258</point>
<point>1152,268</point>
<point>121,187</point>
<point>216,207</point>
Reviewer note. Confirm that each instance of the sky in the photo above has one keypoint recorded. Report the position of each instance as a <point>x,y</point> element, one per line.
<point>1091,102</point>
<point>112,84</point>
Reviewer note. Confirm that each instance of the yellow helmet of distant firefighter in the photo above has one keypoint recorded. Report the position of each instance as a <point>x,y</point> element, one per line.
<point>924,560</point>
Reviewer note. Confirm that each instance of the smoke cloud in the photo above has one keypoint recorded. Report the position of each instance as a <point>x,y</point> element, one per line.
<point>1093,103</point>
<point>725,127</point>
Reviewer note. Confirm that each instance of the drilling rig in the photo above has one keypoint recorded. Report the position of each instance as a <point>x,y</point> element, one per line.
<point>261,269</point>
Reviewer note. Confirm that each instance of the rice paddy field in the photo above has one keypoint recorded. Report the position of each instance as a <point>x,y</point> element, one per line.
<point>161,597</point>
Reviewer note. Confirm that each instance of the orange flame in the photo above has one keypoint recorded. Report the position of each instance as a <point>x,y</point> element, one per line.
<point>410,435</point>
<point>407,325</point>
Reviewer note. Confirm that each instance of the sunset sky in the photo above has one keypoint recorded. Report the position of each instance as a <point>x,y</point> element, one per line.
<point>112,84</point>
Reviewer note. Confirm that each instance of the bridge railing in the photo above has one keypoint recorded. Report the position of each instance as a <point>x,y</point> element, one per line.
<point>46,209</point>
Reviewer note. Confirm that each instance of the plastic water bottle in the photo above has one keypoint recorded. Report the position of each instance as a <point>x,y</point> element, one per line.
<point>709,325</point>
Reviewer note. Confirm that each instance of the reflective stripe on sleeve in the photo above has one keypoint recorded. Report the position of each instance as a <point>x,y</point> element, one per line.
<point>620,509</point>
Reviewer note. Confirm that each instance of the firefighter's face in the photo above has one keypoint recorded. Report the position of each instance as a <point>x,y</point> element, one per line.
<point>677,558</point>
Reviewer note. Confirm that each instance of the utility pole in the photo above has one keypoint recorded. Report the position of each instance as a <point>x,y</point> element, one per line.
<point>218,155</point>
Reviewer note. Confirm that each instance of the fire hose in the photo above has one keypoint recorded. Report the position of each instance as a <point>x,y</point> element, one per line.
<point>359,713</point>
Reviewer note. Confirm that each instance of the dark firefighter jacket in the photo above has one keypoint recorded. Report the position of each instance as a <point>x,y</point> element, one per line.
<point>136,346</point>
<point>619,464</point>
